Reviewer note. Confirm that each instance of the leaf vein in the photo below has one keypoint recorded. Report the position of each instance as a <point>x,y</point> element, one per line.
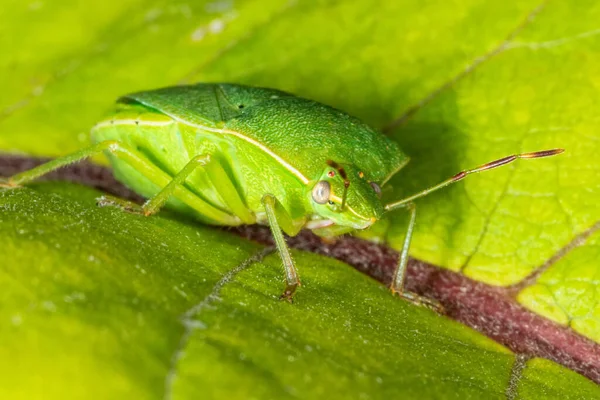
<point>504,45</point>
<point>577,241</point>
<point>190,324</point>
<point>235,43</point>
<point>555,42</point>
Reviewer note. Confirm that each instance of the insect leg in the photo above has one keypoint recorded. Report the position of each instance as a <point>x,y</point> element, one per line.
<point>228,191</point>
<point>134,159</point>
<point>217,175</point>
<point>399,278</point>
<point>34,173</point>
<point>291,275</point>
<point>154,204</point>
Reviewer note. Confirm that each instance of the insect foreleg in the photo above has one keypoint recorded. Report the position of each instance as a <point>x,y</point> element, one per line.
<point>279,217</point>
<point>399,278</point>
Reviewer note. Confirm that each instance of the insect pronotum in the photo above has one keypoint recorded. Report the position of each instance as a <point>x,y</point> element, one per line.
<point>231,154</point>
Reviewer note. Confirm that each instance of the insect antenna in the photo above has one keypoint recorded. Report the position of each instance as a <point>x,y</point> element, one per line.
<point>344,176</point>
<point>461,175</point>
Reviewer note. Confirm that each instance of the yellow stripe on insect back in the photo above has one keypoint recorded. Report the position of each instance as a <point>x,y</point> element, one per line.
<point>262,147</point>
<point>114,122</point>
<point>143,122</point>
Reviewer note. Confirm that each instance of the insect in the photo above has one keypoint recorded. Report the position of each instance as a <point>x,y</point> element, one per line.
<point>229,154</point>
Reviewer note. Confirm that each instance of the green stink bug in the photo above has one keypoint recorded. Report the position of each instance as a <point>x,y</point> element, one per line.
<point>230,154</point>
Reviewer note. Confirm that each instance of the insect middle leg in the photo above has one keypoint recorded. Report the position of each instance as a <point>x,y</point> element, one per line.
<point>399,278</point>
<point>221,182</point>
<point>213,168</point>
<point>278,217</point>
<point>155,203</point>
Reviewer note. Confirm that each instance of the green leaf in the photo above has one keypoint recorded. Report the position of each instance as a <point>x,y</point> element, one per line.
<point>544,379</point>
<point>507,224</point>
<point>374,63</point>
<point>461,83</point>
<point>568,292</point>
<point>120,305</point>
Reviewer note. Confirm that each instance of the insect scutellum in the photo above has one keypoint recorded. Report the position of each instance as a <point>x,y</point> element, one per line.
<point>230,154</point>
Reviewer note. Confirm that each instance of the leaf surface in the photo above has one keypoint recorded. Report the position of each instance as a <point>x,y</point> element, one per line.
<point>122,305</point>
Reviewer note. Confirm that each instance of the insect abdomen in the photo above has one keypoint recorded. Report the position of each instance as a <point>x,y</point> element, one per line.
<point>170,145</point>
<point>165,143</point>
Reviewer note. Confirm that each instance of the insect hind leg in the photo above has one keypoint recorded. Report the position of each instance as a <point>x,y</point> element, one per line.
<point>146,168</point>
<point>34,173</point>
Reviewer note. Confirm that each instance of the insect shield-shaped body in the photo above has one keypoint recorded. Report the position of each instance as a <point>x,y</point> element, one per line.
<point>232,154</point>
<point>256,142</point>
<point>262,156</point>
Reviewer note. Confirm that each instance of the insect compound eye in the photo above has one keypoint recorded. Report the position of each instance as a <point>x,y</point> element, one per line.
<point>376,188</point>
<point>321,192</point>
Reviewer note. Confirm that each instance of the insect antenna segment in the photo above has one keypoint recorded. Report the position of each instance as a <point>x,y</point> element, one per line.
<point>506,160</point>
<point>461,175</point>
